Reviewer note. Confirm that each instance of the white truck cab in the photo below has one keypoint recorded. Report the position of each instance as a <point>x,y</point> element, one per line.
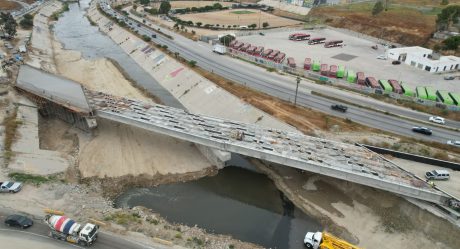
<point>438,174</point>
<point>313,240</point>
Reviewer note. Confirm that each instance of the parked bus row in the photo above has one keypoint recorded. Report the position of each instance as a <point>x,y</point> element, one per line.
<point>259,51</point>
<point>315,40</point>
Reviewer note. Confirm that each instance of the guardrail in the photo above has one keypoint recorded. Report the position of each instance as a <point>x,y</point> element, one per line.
<point>413,157</point>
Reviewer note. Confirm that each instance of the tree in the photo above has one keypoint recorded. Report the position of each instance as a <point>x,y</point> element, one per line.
<point>26,23</point>
<point>448,15</point>
<point>265,24</point>
<point>192,63</point>
<point>445,2</point>
<point>217,6</point>
<point>146,38</point>
<point>252,26</point>
<point>199,24</point>
<point>194,9</point>
<point>378,7</point>
<point>144,2</point>
<point>8,24</point>
<point>226,39</point>
<point>165,7</point>
<point>28,16</point>
<point>451,43</point>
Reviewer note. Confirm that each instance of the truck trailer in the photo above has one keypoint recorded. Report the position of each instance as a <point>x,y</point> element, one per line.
<point>351,76</point>
<point>251,50</point>
<point>245,47</point>
<point>324,70</point>
<point>266,53</point>
<point>333,71</point>
<point>361,80</point>
<point>273,54</point>
<point>316,41</point>
<point>66,229</point>
<point>396,87</point>
<point>316,66</point>
<point>291,62</point>
<point>220,49</point>
<point>341,72</point>
<point>258,51</point>
<point>280,57</point>
<point>373,83</point>
<point>307,64</point>
<point>324,240</point>
<point>331,44</point>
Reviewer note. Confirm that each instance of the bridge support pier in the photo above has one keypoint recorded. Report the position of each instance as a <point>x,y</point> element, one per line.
<point>214,156</point>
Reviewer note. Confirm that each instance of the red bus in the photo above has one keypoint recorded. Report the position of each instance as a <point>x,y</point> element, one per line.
<point>316,41</point>
<point>333,71</point>
<point>300,37</point>
<point>293,36</point>
<point>238,45</point>
<point>273,54</point>
<point>291,62</point>
<point>280,57</point>
<point>330,44</point>
<point>372,82</point>
<point>251,49</point>
<point>258,51</point>
<point>266,53</point>
<point>245,47</point>
<point>307,64</point>
<point>361,78</point>
<point>396,86</point>
<point>324,70</point>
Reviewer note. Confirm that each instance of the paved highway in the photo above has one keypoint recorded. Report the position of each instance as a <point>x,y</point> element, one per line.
<point>37,237</point>
<point>283,87</point>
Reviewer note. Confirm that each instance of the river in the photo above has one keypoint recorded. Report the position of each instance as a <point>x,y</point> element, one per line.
<point>237,201</point>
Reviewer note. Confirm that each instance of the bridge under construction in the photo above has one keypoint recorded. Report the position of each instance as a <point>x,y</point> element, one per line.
<point>68,100</point>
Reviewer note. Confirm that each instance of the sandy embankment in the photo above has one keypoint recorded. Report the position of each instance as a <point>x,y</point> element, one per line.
<point>114,150</point>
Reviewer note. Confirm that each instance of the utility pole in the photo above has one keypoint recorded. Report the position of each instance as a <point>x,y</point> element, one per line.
<point>296,90</point>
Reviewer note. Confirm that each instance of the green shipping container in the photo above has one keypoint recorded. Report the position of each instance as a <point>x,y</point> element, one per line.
<point>386,86</point>
<point>456,98</point>
<point>445,98</point>
<point>316,66</point>
<point>341,72</point>
<point>351,76</point>
<point>421,92</point>
<point>430,93</point>
<point>406,90</point>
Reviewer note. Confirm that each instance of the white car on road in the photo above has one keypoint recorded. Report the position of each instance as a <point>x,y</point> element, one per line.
<point>437,120</point>
<point>453,142</point>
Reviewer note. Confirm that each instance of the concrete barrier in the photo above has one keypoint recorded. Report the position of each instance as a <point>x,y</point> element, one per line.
<point>412,157</point>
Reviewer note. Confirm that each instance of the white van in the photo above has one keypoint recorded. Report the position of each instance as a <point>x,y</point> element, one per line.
<point>438,174</point>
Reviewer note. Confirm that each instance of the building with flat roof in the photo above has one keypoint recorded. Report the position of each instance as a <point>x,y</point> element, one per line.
<point>424,59</point>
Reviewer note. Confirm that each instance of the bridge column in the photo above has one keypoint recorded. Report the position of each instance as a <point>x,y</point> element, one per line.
<point>214,156</point>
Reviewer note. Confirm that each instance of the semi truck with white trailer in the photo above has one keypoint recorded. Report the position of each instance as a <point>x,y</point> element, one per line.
<point>66,229</point>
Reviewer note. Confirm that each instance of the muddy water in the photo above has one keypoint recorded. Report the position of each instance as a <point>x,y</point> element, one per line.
<point>75,32</point>
<point>238,201</point>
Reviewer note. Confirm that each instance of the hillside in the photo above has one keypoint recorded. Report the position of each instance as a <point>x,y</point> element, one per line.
<point>409,22</point>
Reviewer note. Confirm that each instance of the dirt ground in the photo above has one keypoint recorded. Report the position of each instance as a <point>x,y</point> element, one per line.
<point>403,25</point>
<point>189,4</point>
<point>362,215</point>
<point>226,17</point>
<point>9,5</point>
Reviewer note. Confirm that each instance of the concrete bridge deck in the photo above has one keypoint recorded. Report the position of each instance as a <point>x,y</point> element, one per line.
<point>339,160</point>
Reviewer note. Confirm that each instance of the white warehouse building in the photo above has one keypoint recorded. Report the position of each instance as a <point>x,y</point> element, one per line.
<point>424,59</point>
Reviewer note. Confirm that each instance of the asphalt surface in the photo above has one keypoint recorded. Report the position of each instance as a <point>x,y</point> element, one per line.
<point>283,87</point>
<point>38,234</point>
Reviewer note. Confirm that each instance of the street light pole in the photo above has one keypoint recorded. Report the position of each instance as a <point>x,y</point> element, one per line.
<point>296,90</point>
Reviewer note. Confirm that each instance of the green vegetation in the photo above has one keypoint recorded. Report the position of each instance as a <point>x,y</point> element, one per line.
<point>242,12</point>
<point>29,178</point>
<point>55,16</point>
<point>451,43</point>
<point>123,218</point>
<point>378,7</point>
<point>27,22</point>
<point>144,2</point>
<point>445,2</point>
<point>151,11</point>
<point>192,63</point>
<point>165,7</point>
<point>448,16</point>
<point>207,8</point>
<point>178,236</point>
<point>8,24</point>
<point>146,38</point>
<point>252,26</point>
<point>226,39</point>
<point>265,25</point>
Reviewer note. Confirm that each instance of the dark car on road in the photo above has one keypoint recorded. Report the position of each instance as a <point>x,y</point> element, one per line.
<point>17,220</point>
<point>422,130</point>
<point>340,108</point>
<point>396,62</point>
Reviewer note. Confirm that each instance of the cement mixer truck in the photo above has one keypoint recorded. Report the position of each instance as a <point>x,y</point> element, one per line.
<point>324,240</point>
<point>66,229</point>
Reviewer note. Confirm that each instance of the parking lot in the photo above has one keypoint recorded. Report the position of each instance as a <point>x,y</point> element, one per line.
<point>356,54</point>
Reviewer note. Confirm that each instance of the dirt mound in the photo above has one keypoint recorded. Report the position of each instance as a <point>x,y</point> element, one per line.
<point>404,26</point>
